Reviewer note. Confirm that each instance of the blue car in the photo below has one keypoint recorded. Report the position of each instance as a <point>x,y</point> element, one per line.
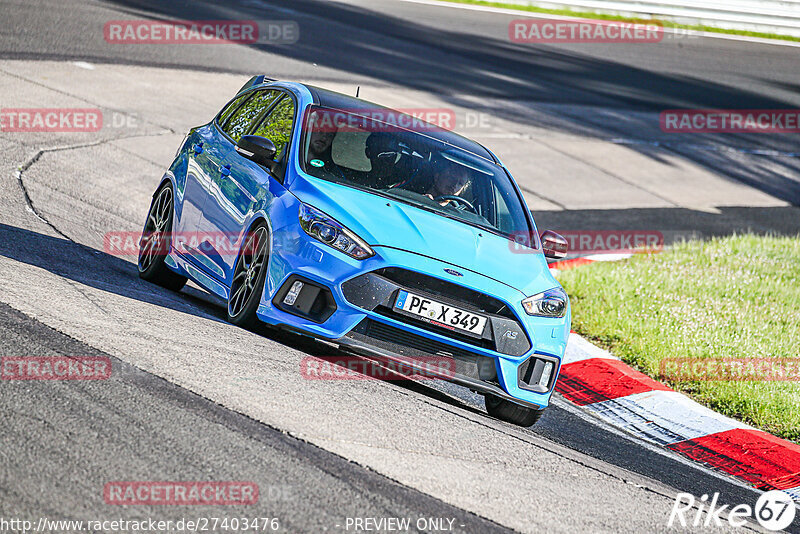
<point>336,218</point>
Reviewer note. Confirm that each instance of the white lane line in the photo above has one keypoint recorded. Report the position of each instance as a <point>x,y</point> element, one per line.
<point>662,417</point>
<point>677,31</point>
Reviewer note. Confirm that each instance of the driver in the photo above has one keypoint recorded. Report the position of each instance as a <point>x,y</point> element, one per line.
<point>449,180</point>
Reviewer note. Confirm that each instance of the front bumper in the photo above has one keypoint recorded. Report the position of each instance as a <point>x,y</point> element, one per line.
<point>357,314</point>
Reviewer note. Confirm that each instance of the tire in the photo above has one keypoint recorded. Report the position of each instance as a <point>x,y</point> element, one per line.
<point>249,276</point>
<point>155,242</point>
<point>510,412</point>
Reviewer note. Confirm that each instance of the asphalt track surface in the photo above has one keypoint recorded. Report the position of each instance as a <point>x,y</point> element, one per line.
<point>193,398</point>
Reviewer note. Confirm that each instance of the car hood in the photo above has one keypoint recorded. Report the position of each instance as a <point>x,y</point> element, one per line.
<point>384,222</point>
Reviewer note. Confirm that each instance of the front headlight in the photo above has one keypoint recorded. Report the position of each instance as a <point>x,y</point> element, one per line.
<point>324,228</point>
<point>550,303</point>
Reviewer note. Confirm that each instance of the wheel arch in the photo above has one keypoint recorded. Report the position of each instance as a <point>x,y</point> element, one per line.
<point>168,177</point>
<point>246,314</point>
<point>255,219</point>
<point>165,180</point>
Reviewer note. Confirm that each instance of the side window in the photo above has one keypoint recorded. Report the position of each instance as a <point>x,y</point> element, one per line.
<point>230,108</point>
<point>277,126</point>
<point>237,123</point>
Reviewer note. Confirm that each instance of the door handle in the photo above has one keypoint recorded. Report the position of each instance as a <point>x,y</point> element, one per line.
<point>225,171</point>
<point>198,148</point>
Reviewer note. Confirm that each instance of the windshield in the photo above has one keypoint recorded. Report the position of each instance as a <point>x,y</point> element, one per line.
<point>410,167</point>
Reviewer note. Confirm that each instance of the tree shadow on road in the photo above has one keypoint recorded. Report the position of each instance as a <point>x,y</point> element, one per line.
<point>99,270</point>
<point>93,268</point>
<point>564,88</point>
<point>90,267</point>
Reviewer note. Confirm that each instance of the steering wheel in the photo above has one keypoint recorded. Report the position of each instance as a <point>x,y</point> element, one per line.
<point>457,200</point>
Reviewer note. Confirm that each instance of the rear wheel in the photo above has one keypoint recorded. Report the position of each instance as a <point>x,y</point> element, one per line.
<point>155,242</point>
<point>510,412</point>
<point>249,276</point>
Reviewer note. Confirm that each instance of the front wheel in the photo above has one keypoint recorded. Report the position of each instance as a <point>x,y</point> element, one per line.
<point>249,276</point>
<point>510,412</point>
<point>155,242</point>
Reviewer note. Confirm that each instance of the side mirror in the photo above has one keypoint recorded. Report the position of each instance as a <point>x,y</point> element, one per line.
<point>553,245</point>
<point>258,149</point>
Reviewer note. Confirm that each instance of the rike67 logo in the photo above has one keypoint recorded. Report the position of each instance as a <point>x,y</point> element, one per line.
<point>774,510</point>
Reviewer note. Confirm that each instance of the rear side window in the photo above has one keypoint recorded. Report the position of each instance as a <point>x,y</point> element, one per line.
<point>277,126</point>
<point>237,123</point>
<point>230,108</point>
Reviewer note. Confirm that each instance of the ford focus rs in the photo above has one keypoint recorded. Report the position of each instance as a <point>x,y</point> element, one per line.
<point>327,215</point>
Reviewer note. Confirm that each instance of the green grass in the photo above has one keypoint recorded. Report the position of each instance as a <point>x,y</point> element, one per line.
<point>601,16</point>
<point>733,297</point>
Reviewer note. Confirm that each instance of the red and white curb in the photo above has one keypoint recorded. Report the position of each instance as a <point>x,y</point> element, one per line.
<point>629,400</point>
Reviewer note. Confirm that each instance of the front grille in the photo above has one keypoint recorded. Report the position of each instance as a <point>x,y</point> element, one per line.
<point>377,291</point>
<point>391,334</point>
<point>466,297</point>
<point>398,341</point>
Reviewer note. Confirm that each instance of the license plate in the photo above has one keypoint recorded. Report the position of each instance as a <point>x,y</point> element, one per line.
<point>440,314</point>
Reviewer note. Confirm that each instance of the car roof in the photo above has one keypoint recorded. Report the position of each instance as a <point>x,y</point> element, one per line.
<point>332,99</point>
